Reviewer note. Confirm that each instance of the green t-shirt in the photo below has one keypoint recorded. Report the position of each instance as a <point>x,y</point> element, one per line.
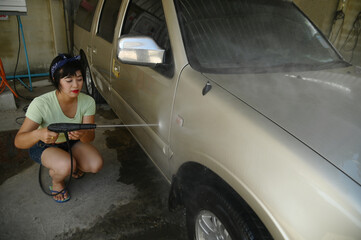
<point>46,110</point>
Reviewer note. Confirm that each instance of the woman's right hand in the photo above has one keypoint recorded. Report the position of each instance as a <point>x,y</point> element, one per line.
<point>27,135</point>
<point>48,136</point>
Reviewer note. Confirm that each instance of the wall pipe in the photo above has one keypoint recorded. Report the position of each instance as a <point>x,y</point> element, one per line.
<point>29,87</point>
<point>32,75</point>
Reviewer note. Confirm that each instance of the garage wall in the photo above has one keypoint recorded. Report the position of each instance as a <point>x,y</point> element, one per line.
<point>322,19</point>
<point>44,33</point>
<point>348,39</point>
<point>342,32</point>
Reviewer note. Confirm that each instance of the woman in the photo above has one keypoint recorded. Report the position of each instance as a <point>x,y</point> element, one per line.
<point>66,104</point>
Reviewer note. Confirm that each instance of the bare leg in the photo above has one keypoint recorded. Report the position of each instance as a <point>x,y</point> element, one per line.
<point>58,162</point>
<point>88,157</point>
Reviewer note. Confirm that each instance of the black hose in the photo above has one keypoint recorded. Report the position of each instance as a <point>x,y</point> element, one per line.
<point>16,65</point>
<point>71,171</point>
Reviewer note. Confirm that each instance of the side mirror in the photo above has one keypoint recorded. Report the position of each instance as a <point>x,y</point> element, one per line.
<point>139,50</point>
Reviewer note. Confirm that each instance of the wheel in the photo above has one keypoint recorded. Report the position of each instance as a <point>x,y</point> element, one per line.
<point>211,216</point>
<point>89,85</point>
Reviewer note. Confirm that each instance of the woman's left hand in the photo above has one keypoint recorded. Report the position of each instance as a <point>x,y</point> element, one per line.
<point>76,135</point>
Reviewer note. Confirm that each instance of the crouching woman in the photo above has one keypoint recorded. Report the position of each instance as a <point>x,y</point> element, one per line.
<point>66,104</point>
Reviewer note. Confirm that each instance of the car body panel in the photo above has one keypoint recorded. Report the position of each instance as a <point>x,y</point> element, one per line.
<point>101,64</point>
<point>151,100</point>
<point>249,129</point>
<point>264,163</point>
<point>81,40</point>
<point>83,37</point>
<point>317,107</point>
<point>149,97</point>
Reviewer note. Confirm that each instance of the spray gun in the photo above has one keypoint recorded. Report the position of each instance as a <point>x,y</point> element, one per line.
<point>69,127</point>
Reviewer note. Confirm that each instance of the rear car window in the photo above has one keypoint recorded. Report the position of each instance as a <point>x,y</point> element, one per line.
<point>108,19</point>
<point>85,14</point>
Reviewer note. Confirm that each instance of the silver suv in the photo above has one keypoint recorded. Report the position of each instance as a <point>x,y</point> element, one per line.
<point>259,117</point>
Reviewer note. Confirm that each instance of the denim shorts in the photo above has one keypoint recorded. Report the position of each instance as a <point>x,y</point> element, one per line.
<point>38,148</point>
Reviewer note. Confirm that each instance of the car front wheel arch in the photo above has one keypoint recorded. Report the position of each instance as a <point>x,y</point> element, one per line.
<point>213,208</point>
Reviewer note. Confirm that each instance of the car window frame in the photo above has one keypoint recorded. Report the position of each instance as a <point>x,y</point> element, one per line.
<point>159,68</point>
<point>114,23</point>
<point>88,26</point>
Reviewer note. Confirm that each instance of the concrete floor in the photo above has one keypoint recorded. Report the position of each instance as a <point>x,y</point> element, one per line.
<point>127,199</point>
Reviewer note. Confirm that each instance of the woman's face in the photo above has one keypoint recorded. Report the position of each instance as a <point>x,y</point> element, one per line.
<point>71,85</point>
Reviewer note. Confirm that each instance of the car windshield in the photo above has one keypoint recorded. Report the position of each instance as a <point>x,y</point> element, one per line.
<point>230,36</point>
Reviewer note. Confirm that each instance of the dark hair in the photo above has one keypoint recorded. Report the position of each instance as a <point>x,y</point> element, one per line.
<point>71,65</point>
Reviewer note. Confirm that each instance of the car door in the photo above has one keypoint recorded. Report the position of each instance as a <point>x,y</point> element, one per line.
<point>102,45</point>
<point>146,92</point>
<point>85,17</point>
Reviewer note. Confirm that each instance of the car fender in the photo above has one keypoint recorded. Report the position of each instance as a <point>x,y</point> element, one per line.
<point>292,189</point>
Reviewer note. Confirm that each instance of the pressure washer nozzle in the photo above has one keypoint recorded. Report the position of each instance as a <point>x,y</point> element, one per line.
<point>68,127</point>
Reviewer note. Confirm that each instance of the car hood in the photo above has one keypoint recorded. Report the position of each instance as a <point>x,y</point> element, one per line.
<point>320,108</point>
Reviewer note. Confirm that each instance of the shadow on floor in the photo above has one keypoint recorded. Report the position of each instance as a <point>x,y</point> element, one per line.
<point>12,160</point>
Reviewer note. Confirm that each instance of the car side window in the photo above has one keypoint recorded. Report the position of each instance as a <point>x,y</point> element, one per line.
<point>146,17</point>
<point>85,14</point>
<point>108,19</point>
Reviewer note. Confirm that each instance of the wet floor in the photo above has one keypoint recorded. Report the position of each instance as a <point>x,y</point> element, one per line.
<point>145,216</point>
<point>12,160</point>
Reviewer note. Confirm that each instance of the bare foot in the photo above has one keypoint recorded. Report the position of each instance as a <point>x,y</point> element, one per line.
<point>63,195</point>
<point>77,174</point>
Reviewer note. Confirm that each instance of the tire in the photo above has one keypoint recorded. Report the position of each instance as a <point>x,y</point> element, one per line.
<point>89,85</point>
<point>210,215</point>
